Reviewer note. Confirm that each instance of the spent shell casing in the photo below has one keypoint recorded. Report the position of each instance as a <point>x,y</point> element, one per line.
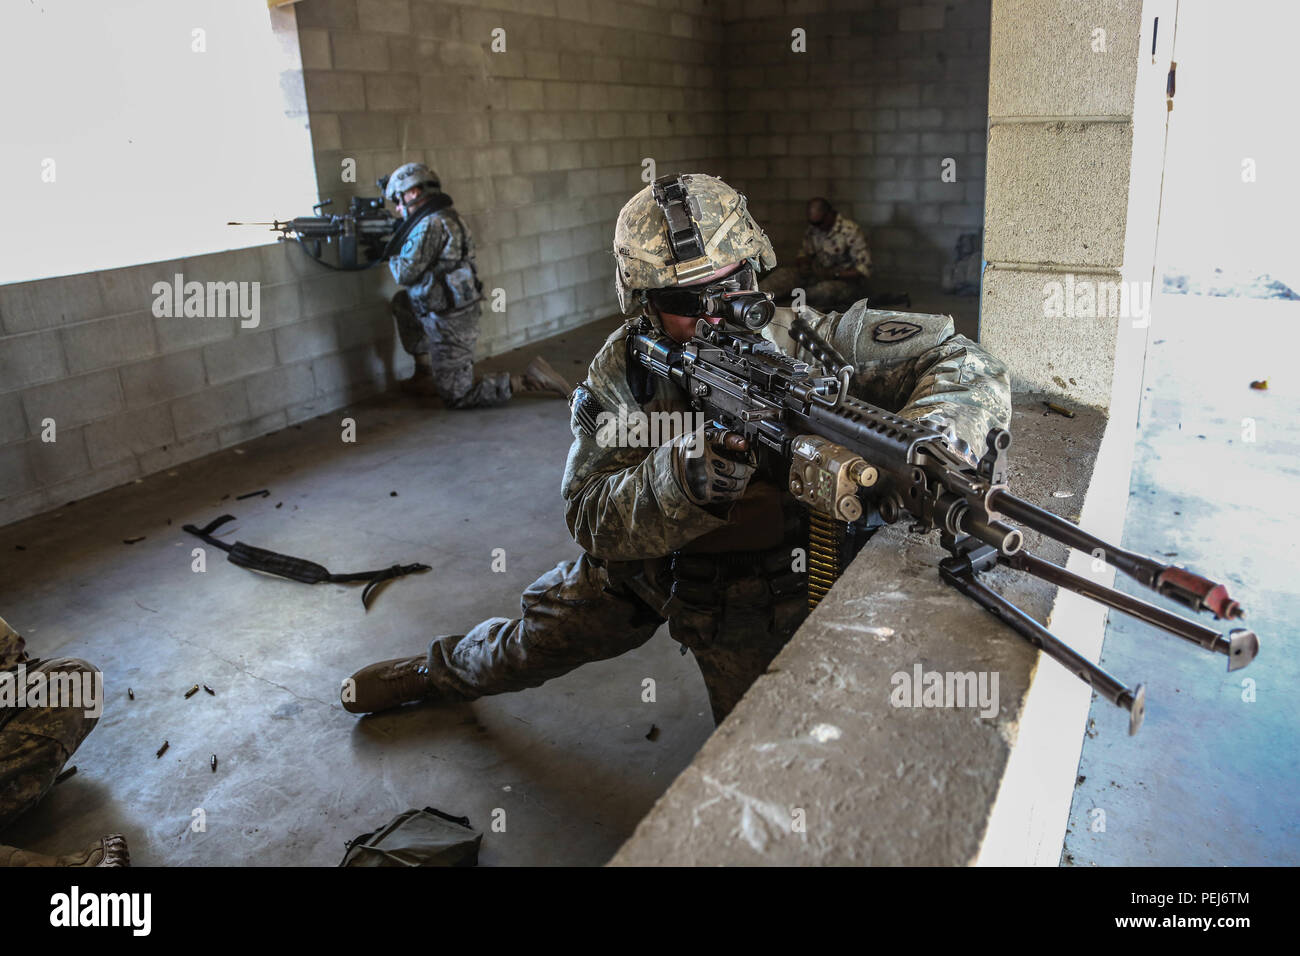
<point>210,690</point>
<point>1059,409</point>
<point>130,693</point>
<point>192,691</point>
<point>214,763</point>
<point>163,749</point>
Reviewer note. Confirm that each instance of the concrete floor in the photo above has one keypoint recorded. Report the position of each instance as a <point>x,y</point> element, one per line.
<point>297,776</point>
<point>1211,778</point>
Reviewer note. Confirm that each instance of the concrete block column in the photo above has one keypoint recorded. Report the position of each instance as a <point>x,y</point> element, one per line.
<point>1061,86</point>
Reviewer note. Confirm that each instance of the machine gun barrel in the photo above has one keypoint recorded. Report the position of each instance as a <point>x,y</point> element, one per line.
<point>317,227</point>
<point>1240,646</point>
<point>1179,584</point>
<point>310,226</point>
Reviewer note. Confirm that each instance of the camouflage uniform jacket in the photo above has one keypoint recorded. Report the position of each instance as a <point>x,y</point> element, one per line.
<point>625,504</point>
<point>437,244</point>
<point>841,247</point>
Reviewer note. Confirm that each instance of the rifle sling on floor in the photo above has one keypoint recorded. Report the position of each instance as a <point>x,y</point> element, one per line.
<point>297,569</point>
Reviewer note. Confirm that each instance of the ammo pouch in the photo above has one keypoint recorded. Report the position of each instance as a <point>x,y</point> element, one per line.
<point>712,583</point>
<point>735,598</point>
<point>462,286</point>
<point>401,305</point>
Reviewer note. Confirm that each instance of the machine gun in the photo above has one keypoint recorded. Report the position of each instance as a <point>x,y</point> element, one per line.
<point>855,466</point>
<point>367,233</point>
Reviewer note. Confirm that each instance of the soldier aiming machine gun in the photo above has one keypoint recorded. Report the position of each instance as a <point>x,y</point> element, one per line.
<point>366,230</point>
<point>855,467</point>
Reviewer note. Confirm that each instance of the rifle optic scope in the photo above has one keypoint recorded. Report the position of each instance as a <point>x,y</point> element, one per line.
<point>749,310</point>
<point>737,307</point>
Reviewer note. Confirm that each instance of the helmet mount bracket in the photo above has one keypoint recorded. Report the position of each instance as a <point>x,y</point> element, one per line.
<point>690,261</point>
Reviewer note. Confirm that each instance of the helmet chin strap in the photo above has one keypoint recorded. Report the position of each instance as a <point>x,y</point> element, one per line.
<point>647,311</point>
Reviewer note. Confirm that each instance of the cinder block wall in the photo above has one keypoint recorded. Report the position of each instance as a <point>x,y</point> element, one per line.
<point>131,394</point>
<point>886,90</point>
<point>539,144</point>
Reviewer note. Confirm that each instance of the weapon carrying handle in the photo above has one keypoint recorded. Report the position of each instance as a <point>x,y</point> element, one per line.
<point>818,347</point>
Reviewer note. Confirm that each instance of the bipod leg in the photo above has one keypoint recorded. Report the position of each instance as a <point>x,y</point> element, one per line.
<point>961,571</point>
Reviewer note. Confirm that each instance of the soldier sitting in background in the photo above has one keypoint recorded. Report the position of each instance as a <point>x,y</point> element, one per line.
<point>35,742</point>
<point>679,531</point>
<point>833,264</point>
<point>438,312</point>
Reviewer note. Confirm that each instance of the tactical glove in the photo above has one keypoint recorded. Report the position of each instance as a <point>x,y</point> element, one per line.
<point>712,465</point>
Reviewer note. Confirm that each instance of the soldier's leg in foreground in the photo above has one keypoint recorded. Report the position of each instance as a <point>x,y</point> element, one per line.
<point>35,743</point>
<point>410,331</point>
<point>451,350</point>
<point>571,615</point>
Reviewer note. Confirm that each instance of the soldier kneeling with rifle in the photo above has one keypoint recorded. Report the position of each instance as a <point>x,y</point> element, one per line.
<point>438,309</point>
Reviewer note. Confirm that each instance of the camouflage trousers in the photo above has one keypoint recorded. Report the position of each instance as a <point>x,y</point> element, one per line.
<point>824,295</point>
<point>35,743</point>
<point>449,342</point>
<point>575,613</point>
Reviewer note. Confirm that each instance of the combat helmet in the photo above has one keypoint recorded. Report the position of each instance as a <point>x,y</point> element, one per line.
<point>407,176</point>
<point>680,229</point>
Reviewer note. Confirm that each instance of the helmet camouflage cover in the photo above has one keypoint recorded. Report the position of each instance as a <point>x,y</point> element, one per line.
<point>408,176</point>
<point>644,241</point>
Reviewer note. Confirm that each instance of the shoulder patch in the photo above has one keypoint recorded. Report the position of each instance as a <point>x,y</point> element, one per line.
<point>586,409</point>
<point>894,330</point>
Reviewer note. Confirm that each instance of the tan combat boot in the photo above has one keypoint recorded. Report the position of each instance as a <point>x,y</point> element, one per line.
<point>387,684</point>
<point>540,377</point>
